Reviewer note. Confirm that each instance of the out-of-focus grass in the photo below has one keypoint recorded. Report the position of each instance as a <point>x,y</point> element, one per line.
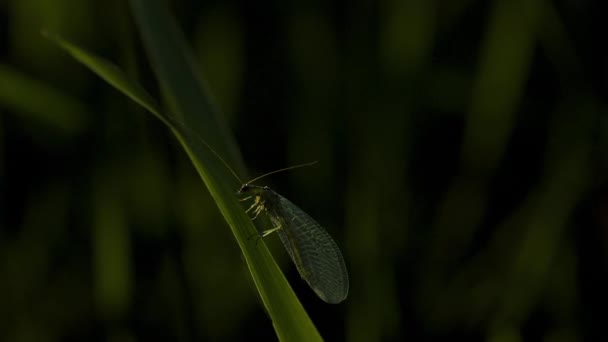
<point>16,90</point>
<point>460,146</point>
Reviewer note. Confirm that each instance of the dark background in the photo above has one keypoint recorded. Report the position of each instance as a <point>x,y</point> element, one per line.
<point>462,170</point>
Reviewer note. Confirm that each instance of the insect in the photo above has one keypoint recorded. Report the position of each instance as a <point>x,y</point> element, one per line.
<point>313,251</point>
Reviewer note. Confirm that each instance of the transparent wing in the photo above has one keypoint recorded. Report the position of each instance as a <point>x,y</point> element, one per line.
<point>315,253</point>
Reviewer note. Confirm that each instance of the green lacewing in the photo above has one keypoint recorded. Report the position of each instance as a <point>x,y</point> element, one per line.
<point>313,251</point>
<point>315,254</point>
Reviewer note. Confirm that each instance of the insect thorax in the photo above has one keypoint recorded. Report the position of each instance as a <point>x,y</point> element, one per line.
<point>264,199</point>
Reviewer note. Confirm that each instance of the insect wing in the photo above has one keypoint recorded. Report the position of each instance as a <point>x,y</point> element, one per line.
<point>315,253</point>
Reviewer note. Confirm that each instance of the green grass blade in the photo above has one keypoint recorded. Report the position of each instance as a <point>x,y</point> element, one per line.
<point>111,74</point>
<point>290,320</point>
<point>183,91</point>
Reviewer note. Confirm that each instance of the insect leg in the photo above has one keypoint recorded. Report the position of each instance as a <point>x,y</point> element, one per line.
<point>256,202</point>
<point>270,231</point>
<point>257,212</point>
<point>252,206</point>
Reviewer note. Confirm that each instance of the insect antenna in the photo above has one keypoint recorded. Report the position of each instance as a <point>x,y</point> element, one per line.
<point>178,124</point>
<point>281,170</point>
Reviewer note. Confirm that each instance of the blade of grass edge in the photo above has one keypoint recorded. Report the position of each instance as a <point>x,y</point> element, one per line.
<point>182,89</point>
<point>289,318</point>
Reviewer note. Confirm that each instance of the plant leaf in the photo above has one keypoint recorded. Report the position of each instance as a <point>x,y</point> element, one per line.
<point>290,320</point>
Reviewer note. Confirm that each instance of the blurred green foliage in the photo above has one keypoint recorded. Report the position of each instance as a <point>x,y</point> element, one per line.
<point>462,170</point>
